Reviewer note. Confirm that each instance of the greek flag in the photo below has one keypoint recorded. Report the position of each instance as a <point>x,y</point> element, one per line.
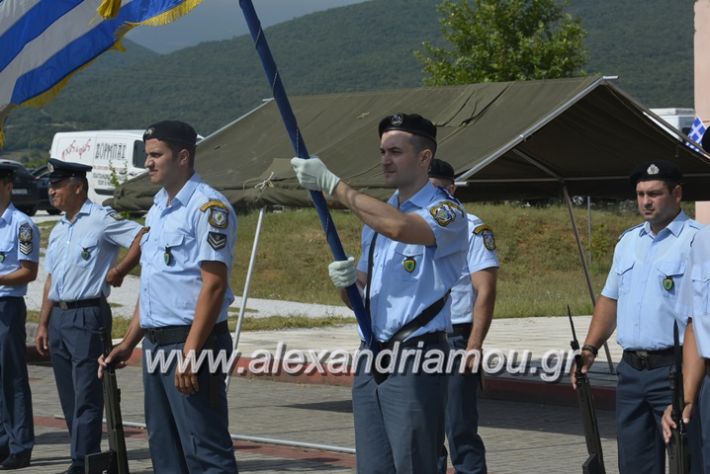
<point>43,42</point>
<point>697,130</point>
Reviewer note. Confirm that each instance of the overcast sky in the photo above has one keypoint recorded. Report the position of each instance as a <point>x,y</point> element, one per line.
<point>222,19</point>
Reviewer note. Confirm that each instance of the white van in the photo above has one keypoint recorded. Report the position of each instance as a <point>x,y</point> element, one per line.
<point>115,155</point>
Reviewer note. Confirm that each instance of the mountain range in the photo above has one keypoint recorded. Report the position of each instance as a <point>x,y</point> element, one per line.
<point>369,45</point>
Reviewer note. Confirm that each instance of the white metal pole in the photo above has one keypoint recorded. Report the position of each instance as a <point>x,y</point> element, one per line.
<point>245,294</point>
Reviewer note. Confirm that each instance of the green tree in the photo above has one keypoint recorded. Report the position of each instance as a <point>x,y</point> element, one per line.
<point>504,40</point>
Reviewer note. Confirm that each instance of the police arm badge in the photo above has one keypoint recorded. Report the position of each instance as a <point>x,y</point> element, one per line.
<point>489,240</point>
<point>218,216</point>
<point>217,240</point>
<point>444,213</point>
<point>25,239</point>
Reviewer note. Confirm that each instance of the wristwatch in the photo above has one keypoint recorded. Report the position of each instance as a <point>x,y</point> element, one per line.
<point>590,348</point>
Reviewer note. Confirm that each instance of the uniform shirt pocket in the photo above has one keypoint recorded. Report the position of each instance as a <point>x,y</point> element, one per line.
<point>407,263</point>
<point>624,273</point>
<point>669,276</point>
<point>87,251</point>
<point>5,254</point>
<point>176,248</point>
<point>700,277</point>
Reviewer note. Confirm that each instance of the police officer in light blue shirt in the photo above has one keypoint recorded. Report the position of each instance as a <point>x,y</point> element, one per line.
<point>472,303</point>
<point>413,250</point>
<point>694,310</point>
<point>639,299</point>
<point>186,260</point>
<point>80,257</point>
<point>19,254</point>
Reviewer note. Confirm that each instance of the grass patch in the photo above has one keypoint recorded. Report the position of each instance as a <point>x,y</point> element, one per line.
<point>232,310</point>
<point>540,269</point>
<point>274,323</point>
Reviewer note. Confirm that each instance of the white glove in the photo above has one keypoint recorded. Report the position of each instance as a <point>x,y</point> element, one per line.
<point>312,174</point>
<point>342,272</point>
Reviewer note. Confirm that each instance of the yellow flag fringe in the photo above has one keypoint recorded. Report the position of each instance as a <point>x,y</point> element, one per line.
<point>109,8</point>
<point>173,14</point>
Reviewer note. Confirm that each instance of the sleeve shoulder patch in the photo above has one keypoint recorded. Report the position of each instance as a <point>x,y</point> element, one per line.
<point>218,213</point>
<point>25,238</point>
<point>113,214</point>
<point>479,229</point>
<point>489,240</point>
<point>444,212</point>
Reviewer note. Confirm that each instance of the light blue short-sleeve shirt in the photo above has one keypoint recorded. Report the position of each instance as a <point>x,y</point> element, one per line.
<point>407,278</point>
<point>199,225</point>
<point>694,300</point>
<point>80,253</point>
<point>644,279</point>
<point>19,240</point>
<point>481,255</point>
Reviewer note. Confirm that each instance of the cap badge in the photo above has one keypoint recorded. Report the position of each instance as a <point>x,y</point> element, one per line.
<point>149,132</point>
<point>397,120</point>
<point>50,167</point>
<point>652,169</point>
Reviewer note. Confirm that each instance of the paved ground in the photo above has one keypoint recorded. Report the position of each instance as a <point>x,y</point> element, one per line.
<point>520,437</point>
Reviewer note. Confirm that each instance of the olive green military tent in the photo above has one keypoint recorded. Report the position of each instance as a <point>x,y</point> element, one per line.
<point>509,140</point>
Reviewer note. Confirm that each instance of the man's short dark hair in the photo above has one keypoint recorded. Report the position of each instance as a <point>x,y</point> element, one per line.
<point>176,134</point>
<point>421,143</point>
<point>177,147</point>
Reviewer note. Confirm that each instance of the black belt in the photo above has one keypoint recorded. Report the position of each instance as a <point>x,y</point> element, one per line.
<point>177,334</point>
<point>463,329</point>
<point>642,360</point>
<point>78,303</point>
<point>428,338</point>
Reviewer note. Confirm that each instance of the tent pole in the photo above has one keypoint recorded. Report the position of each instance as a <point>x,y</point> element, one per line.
<point>589,228</point>
<point>583,259</point>
<point>245,293</point>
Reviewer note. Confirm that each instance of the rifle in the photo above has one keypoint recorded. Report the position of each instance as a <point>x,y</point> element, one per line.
<point>595,462</point>
<point>115,460</point>
<point>678,455</point>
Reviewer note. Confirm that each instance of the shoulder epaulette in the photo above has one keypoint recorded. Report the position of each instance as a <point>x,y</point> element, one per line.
<point>695,224</point>
<point>629,230</point>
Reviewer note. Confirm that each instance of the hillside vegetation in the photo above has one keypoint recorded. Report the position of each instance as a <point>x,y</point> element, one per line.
<point>370,45</point>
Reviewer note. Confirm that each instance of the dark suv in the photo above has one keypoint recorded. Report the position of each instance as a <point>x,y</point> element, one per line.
<point>25,196</point>
<point>43,203</point>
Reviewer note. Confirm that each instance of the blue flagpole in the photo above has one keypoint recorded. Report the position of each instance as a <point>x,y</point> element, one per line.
<point>299,146</point>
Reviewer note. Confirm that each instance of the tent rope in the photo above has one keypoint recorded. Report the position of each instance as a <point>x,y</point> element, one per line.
<point>267,183</point>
